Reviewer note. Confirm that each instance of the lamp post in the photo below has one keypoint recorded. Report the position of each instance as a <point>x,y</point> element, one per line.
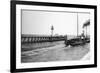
<point>52,28</point>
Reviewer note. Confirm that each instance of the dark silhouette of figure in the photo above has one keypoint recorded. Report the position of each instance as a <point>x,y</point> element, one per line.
<point>66,41</point>
<point>82,35</point>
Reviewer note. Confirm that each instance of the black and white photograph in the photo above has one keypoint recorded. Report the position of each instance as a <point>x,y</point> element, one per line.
<point>54,35</point>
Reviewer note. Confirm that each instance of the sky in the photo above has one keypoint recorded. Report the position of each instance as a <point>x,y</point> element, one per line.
<point>40,22</point>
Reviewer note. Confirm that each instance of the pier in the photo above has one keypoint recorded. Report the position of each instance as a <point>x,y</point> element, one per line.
<point>39,39</point>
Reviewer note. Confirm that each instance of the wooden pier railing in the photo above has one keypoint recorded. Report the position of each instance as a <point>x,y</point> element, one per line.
<point>38,39</point>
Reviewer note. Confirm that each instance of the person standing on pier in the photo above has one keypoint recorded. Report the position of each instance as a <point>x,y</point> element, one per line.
<point>65,38</point>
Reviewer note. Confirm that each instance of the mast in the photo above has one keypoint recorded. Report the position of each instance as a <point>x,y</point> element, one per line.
<point>86,31</point>
<point>77,25</point>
